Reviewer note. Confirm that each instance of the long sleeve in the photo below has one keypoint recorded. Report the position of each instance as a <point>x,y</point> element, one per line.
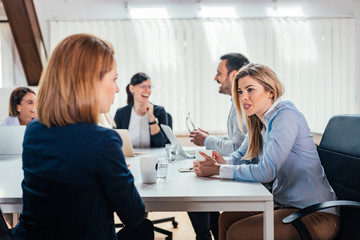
<point>281,137</point>
<point>159,139</point>
<point>119,183</point>
<point>122,117</point>
<point>228,170</point>
<point>288,161</point>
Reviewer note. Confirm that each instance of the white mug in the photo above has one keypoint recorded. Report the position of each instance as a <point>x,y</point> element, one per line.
<point>148,168</point>
<point>198,157</point>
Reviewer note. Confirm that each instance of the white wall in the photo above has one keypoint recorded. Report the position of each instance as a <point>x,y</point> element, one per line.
<point>114,9</point>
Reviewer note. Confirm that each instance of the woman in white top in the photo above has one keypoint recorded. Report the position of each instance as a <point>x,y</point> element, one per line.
<point>141,117</point>
<point>21,107</point>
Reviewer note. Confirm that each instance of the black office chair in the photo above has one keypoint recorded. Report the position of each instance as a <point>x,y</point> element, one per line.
<point>157,229</point>
<point>339,152</point>
<point>169,120</point>
<point>4,231</point>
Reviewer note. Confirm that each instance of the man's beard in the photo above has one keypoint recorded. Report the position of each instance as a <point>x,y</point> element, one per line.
<point>225,89</point>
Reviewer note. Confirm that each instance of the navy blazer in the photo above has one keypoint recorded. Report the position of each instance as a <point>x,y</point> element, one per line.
<point>75,178</point>
<point>122,120</point>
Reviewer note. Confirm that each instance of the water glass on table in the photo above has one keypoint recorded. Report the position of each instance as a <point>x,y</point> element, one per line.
<point>162,168</point>
<point>171,151</point>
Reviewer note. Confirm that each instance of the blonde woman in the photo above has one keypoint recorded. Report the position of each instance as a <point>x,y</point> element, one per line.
<point>288,163</point>
<point>75,175</point>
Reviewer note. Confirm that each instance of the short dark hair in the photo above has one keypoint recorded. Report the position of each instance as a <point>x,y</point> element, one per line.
<point>15,99</point>
<point>135,80</point>
<point>235,61</point>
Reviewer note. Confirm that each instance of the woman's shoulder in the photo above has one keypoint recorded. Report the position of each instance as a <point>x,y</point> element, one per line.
<point>96,129</point>
<point>10,121</point>
<point>287,112</point>
<point>159,108</point>
<point>84,129</point>
<point>124,108</point>
<point>286,107</point>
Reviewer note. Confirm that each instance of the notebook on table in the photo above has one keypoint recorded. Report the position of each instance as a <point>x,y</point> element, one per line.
<point>11,139</point>
<point>170,135</point>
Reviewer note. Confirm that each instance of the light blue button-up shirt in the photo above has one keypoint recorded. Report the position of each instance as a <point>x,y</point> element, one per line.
<point>289,159</point>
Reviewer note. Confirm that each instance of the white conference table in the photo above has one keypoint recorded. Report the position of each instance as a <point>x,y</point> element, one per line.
<point>179,192</point>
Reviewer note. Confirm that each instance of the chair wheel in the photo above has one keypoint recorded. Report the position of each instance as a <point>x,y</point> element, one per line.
<point>175,224</point>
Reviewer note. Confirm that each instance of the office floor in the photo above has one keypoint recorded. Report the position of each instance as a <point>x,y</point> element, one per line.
<point>184,230</point>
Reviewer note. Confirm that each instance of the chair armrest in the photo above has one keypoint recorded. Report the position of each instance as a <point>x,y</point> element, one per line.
<point>295,218</point>
<point>316,207</point>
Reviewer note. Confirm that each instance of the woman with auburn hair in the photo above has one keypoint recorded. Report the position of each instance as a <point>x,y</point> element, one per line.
<point>75,175</point>
<point>279,152</point>
<point>21,107</point>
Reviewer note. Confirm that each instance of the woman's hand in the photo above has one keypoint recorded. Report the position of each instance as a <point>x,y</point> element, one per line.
<point>218,158</point>
<point>206,168</point>
<point>148,108</point>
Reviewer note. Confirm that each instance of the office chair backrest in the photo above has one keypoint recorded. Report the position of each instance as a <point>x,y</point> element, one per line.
<point>4,231</point>
<point>339,152</point>
<point>169,118</point>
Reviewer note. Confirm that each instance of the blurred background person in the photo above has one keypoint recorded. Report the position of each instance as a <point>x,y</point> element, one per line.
<point>230,63</point>
<point>21,107</point>
<point>141,117</point>
<point>21,112</point>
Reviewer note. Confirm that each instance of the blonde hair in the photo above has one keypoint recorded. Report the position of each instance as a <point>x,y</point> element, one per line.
<point>271,83</point>
<point>68,88</point>
<point>106,120</point>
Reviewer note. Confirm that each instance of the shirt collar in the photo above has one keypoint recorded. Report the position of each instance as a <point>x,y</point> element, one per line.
<point>270,111</point>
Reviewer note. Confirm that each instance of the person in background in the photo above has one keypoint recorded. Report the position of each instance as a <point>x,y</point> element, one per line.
<point>21,112</point>
<point>141,117</point>
<point>279,136</point>
<point>230,63</point>
<point>21,107</point>
<point>75,174</point>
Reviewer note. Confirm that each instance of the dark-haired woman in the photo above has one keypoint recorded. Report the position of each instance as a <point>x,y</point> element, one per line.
<point>21,107</point>
<point>141,117</point>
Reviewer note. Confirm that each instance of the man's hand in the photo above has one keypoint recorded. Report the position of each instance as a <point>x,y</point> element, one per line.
<point>198,136</point>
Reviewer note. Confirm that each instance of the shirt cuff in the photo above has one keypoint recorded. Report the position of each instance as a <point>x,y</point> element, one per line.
<point>229,160</point>
<point>226,171</point>
<point>206,138</point>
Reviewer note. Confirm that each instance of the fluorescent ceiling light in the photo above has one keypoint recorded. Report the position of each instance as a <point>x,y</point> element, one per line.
<point>148,13</point>
<point>217,12</point>
<point>285,12</point>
